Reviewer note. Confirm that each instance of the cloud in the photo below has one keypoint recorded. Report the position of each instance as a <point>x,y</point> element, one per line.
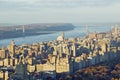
<point>26,11</point>
<point>55,3</point>
<point>6,5</point>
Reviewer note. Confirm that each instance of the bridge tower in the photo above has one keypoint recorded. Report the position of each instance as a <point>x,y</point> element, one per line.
<point>87,31</point>
<point>23,29</point>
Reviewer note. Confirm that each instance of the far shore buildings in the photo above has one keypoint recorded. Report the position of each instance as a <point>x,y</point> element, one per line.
<point>62,56</point>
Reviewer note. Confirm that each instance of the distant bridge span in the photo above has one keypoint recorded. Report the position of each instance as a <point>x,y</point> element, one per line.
<point>21,28</point>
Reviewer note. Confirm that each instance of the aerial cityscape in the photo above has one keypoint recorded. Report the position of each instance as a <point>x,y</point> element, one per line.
<point>54,60</point>
<point>59,40</point>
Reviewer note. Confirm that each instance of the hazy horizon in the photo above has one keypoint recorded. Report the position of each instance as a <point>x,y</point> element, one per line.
<point>75,24</point>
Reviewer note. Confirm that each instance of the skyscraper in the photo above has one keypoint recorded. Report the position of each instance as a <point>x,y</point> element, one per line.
<point>11,48</point>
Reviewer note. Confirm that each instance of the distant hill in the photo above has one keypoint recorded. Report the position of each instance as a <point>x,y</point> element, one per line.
<point>33,29</point>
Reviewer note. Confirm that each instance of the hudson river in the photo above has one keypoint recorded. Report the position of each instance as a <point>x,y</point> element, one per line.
<point>79,31</point>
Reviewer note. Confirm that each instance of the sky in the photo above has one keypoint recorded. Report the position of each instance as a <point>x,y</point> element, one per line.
<point>58,11</point>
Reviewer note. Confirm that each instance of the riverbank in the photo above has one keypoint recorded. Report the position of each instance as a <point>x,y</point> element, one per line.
<point>78,31</point>
<point>17,31</point>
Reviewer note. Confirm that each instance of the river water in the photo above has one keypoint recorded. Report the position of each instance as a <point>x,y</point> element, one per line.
<point>78,31</point>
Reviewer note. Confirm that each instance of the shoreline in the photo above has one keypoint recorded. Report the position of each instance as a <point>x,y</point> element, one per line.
<point>76,32</point>
<point>33,30</point>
